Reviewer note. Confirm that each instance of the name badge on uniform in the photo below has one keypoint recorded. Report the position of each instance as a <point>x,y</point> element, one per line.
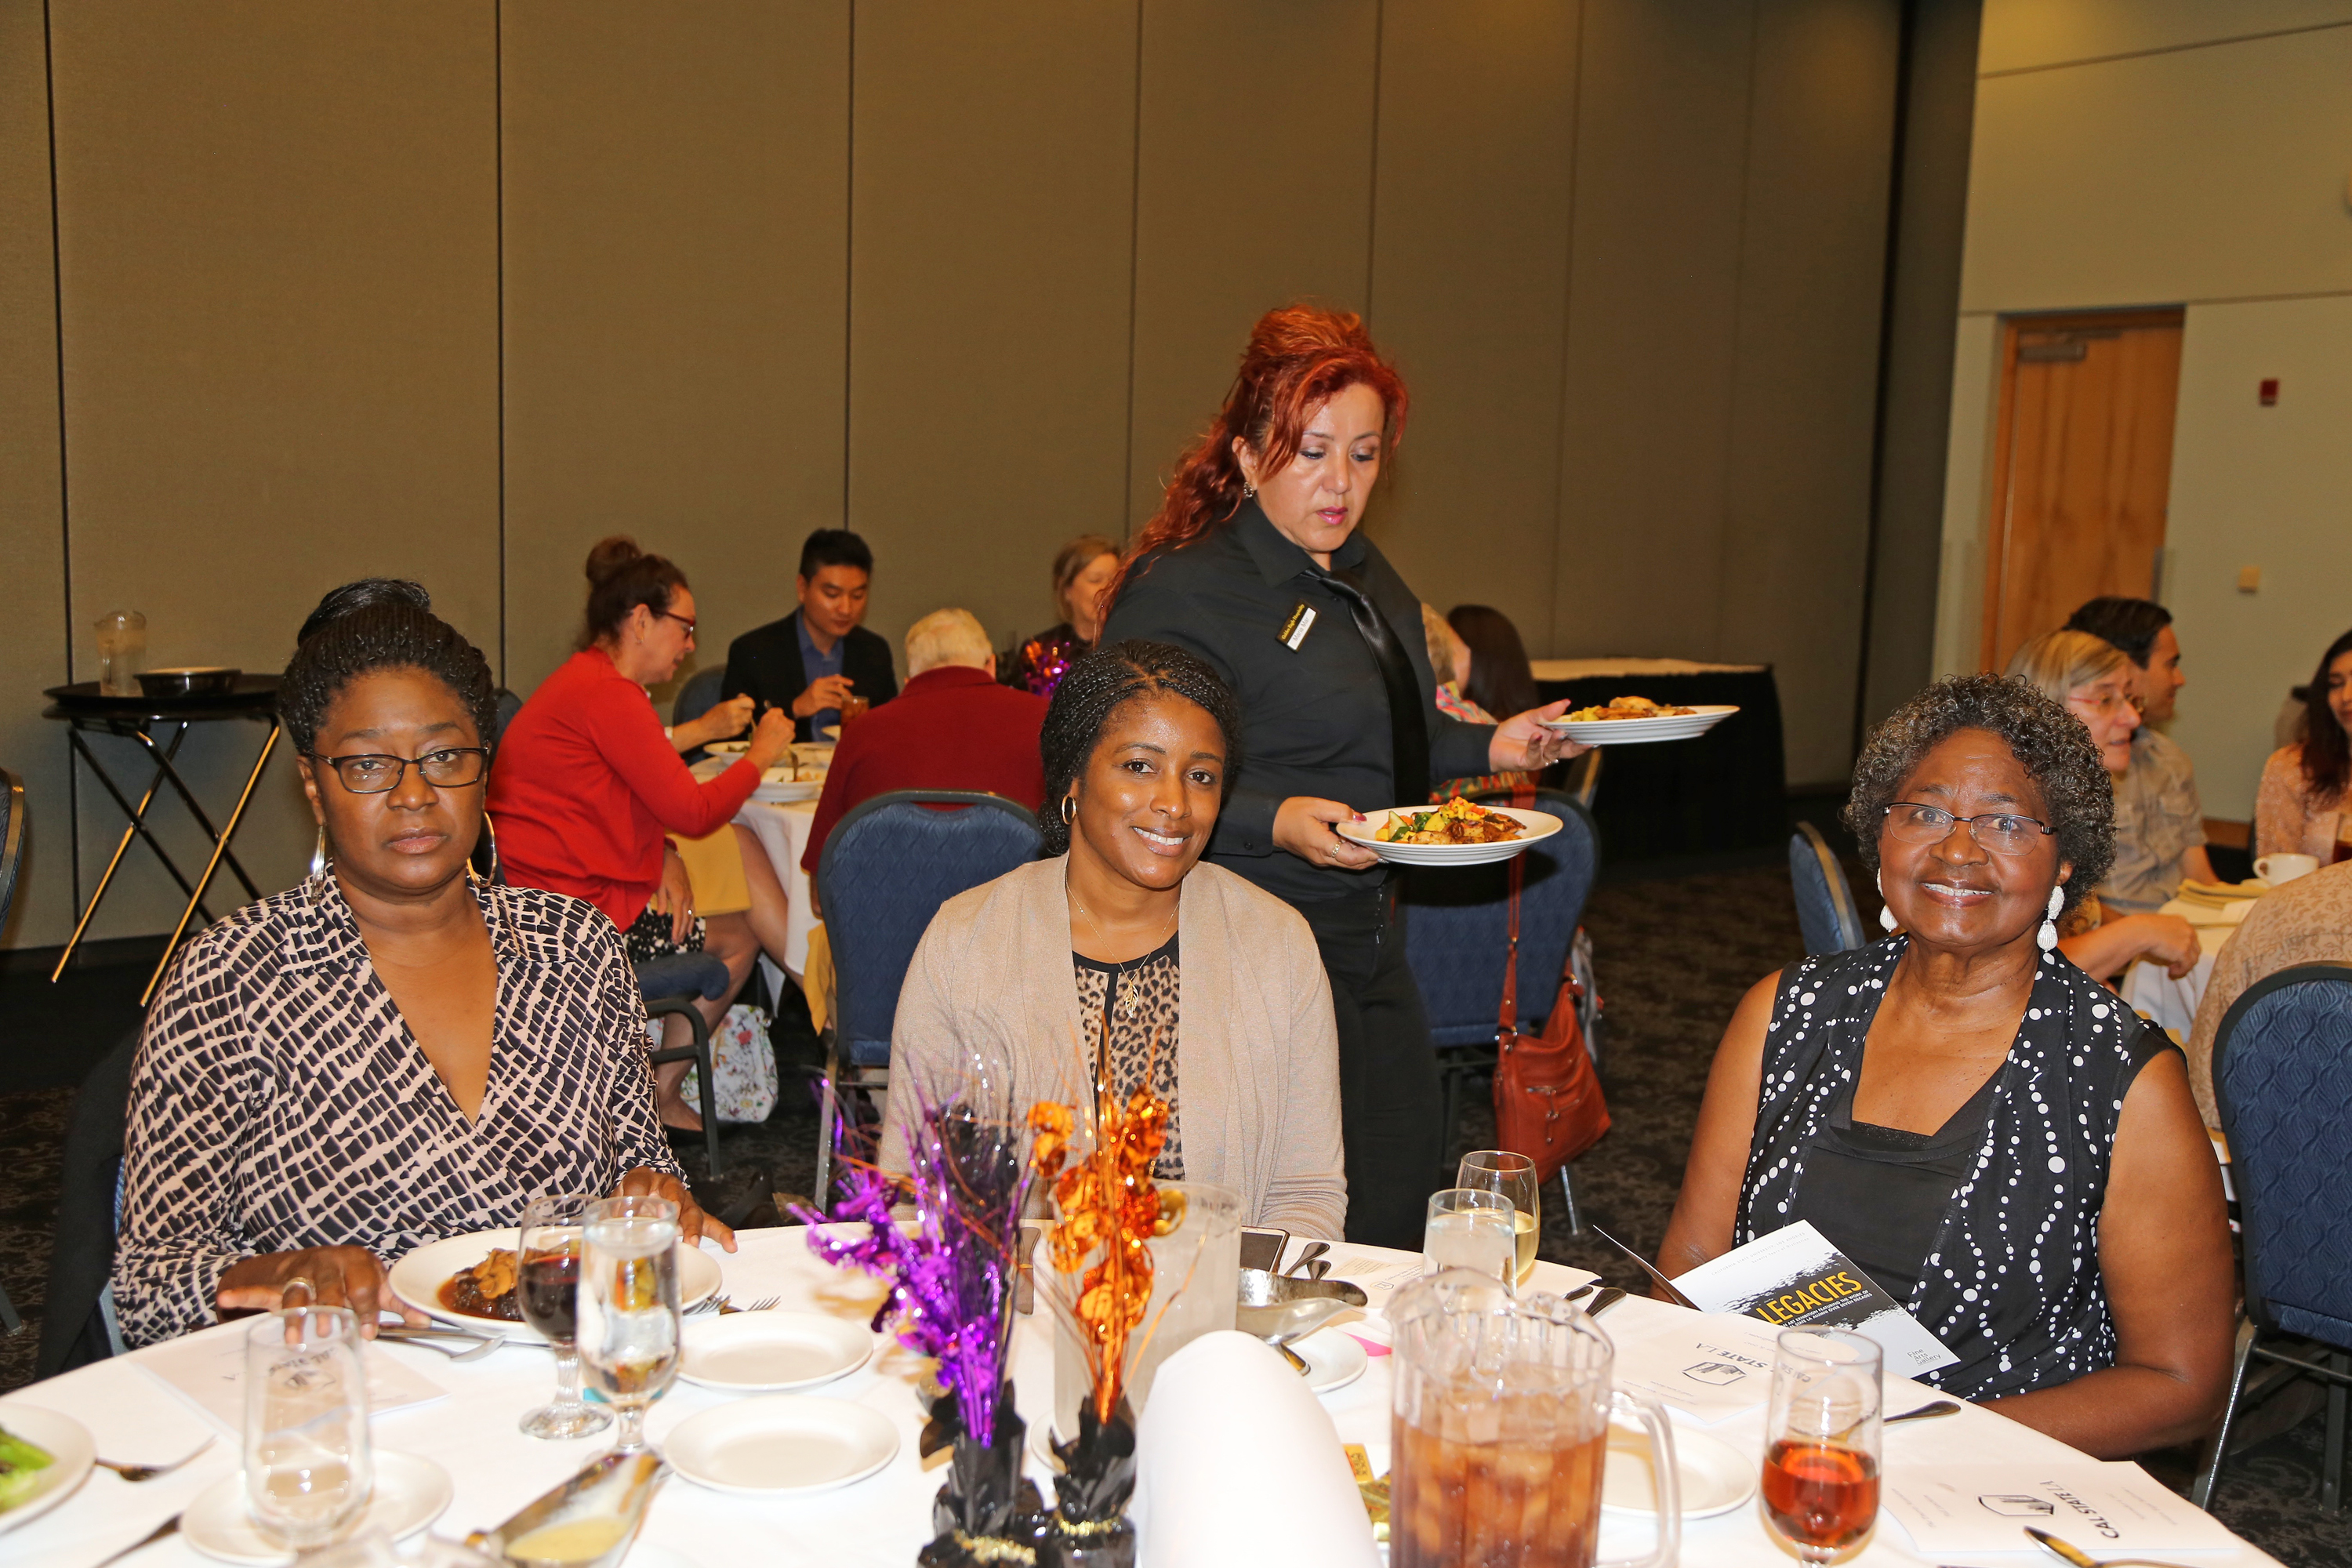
<point>1301,622</point>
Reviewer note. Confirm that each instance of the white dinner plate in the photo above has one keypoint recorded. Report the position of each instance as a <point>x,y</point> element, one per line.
<point>409,1495</point>
<point>1714,1477</point>
<point>785,790</point>
<point>71,1454</point>
<point>1334,1358</point>
<point>1638,732</point>
<point>728,748</point>
<point>1541,825</point>
<point>781,1445</point>
<point>771,1352</point>
<point>418,1277</point>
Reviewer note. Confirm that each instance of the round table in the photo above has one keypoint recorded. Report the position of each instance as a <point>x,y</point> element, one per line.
<point>881,1521</point>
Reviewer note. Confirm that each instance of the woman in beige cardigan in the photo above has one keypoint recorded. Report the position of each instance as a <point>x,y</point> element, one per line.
<point>1073,962</point>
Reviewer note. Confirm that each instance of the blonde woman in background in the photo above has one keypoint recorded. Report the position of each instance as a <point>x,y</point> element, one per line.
<point>2092,678</point>
<point>1082,569</point>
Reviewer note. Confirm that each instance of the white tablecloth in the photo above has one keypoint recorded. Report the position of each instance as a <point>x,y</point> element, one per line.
<point>2172,1003</point>
<point>881,1521</point>
<point>783,832</point>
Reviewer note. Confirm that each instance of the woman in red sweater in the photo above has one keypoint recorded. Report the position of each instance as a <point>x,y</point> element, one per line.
<point>585,786</point>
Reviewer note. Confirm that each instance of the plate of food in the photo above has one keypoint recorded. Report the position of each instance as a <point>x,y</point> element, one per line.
<point>787,782</point>
<point>728,748</point>
<point>470,1280</point>
<point>1458,833</point>
<point>1631,721</point>
<point>43,1458</point>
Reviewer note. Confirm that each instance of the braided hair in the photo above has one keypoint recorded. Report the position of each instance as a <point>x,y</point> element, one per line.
<point>379,623</point>
<point>1098,687</point>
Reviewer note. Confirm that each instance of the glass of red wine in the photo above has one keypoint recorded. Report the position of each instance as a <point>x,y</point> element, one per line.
<point>1820,1443</point>
<point>547,1288</point>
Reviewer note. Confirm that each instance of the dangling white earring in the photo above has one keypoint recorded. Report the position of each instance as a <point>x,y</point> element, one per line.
<point>2047,938</point>
<point>1886,912</point>
<point>319,855</point>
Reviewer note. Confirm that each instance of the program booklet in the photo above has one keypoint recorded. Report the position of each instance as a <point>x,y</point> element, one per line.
<point>1794,1279</point>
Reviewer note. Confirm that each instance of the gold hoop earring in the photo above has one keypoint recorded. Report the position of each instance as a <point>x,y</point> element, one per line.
<point>489,838</point>
<point>319,855</point>
<point>1069,809</point>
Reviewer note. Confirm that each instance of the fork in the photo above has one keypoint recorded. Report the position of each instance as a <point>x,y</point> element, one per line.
<point>478,1345</point>
<point>762,1305</point>
<point>169,1527</point>
<point>149,1472</point>
<point>709,1304</point>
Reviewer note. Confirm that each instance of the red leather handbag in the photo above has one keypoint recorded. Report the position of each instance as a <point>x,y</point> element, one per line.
<point>1547,1100</point>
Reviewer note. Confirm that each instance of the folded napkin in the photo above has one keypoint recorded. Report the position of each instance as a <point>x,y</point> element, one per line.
<point>2208,892</point>
<point>1237,1462</point>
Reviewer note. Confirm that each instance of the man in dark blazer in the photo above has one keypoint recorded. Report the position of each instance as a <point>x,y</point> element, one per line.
<point>819,654</point>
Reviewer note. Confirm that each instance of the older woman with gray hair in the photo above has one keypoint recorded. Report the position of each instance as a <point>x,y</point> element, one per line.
<point>1979,1124</point>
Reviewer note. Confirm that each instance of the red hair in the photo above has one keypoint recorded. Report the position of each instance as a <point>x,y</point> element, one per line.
<point>1300,358</point>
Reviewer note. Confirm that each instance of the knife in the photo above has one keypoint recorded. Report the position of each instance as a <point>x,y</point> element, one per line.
<point>1676,1297</point>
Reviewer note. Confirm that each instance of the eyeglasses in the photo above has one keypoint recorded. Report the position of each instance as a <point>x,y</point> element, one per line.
<point>2003,832</point>
<point>373,773</point>
<point>681,620</point>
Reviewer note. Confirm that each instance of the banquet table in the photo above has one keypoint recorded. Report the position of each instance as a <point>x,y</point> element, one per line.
<point>2172,1003</point>
<point>881,1521</point>
<point>783,829</point>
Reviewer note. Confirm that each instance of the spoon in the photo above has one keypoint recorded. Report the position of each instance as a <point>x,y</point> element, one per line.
<point>1306,1254</point>
<point>2065,1551</point>
<point>1926,1412</point>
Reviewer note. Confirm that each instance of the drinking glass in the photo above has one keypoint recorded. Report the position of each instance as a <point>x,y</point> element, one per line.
<point>1514,1176</point>
<point>1470,1229</point>
<point>628,1329</point>
<point>308,1468</point>
<point>121,653</point>
<point>547,1267</point>
<point>1820,1443</point>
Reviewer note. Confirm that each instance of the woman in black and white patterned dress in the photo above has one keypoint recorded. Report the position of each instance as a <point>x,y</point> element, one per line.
<point>395,1050</point>
<point>1988,1132</point>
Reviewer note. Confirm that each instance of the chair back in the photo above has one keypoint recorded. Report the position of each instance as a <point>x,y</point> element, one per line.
<point>2282,1076</point>
<point>508,706</point>
<point>698,696</point>
<point>1457,928</point>
<point>886,868</point>
<point>81,1257</point>
<point>1825,907</point>
<point>12,838</point>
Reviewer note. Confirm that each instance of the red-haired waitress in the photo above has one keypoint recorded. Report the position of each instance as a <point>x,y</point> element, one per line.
<point>1254,562</point>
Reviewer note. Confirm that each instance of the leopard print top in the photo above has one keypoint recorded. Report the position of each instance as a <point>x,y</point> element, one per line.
<point>1137,1001</point>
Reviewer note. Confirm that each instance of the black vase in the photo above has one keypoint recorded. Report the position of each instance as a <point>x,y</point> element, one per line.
<point>985,1497</point>
<point>1090,1529</point>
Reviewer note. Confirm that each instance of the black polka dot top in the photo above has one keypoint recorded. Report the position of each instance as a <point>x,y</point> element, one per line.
<point>2012,1281</point>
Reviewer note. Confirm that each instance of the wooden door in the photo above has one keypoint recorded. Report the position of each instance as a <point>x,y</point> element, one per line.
<point>2082,466</point>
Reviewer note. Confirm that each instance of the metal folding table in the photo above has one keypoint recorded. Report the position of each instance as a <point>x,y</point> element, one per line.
<point>87,713</point>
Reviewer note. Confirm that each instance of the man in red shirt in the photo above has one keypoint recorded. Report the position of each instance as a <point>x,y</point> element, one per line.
<point>952,727</point>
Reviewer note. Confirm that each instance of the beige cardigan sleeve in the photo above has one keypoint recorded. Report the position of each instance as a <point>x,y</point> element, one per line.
<point>1308,1192</point>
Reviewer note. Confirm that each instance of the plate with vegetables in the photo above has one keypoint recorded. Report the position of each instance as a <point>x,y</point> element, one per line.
<point>43,1458</point>
<point>1456,832</point>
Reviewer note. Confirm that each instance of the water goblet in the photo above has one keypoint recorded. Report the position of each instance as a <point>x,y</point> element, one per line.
<point>628,1329</point>
<point>309,1470</point>
<point>1514,1176</point>
<point>547,1285</point>
<point>1467,1228</point>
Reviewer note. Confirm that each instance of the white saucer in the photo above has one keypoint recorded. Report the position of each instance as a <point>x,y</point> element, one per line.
<point>1713,1476</point>
<point>1334,1358</point>
<point>772,1353</point>
<point>410,1494</point>
<point>418,1277</point>
<point>781,1445</point>
<point>72,1456</point>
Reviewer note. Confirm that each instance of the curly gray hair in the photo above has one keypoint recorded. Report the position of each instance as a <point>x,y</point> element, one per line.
<point>2049,743</point>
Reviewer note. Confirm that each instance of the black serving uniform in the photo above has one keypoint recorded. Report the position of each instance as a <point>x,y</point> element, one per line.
<point>1316,720</point>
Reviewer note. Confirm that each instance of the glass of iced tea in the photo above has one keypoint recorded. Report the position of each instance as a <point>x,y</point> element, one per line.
<point>1820,1443</point>
<point>1500,1429</point>
<point>547,1289</point>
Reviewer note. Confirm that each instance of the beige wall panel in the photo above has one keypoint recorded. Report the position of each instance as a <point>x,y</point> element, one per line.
<point>1478,138</point>
<point>1813,251</point>
<point>2207,174</point>
<point>1652,320</point>
<point>2022,35</point>
<point>279,232</point>
<point>992,212</point>
<point>32,494</point>
<point>1254,186</point>
<point>677,235</point>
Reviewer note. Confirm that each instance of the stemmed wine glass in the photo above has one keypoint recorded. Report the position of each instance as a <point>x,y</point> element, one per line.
<point>628,1332</point>
<point>1820,1443</point>
<point>1514,1176</point>
<point>547,1285</point>
<point>309,1469</point>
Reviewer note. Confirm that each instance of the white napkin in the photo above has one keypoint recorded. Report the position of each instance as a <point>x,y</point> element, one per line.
<point>1237,1462</point>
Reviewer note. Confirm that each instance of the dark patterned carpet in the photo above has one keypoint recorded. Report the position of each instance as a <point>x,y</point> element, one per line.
<point>1668,995</point>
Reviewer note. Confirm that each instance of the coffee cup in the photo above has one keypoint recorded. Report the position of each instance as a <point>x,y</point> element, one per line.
<point>2277,870</point>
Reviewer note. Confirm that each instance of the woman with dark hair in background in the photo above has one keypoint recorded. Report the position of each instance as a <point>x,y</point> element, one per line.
<point>2300,808</point>
<point>1070,966</point>
<point>1082,569</point>
<point>1255,562</point>
<point>1984,1129</point>
<point>587,784</point>
<point>394,1051</point>
<point>1499,678</point>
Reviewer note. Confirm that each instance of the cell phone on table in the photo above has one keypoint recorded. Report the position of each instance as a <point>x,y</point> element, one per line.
<point>1262,1247</point>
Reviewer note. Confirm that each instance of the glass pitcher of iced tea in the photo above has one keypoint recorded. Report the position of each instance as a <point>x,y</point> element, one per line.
<point>1501,1428</point>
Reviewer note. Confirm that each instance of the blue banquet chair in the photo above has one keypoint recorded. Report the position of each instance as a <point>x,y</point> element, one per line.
<point>1825,907</point>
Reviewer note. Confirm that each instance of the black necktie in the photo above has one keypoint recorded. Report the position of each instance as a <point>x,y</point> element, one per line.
<point>1407,729</point>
